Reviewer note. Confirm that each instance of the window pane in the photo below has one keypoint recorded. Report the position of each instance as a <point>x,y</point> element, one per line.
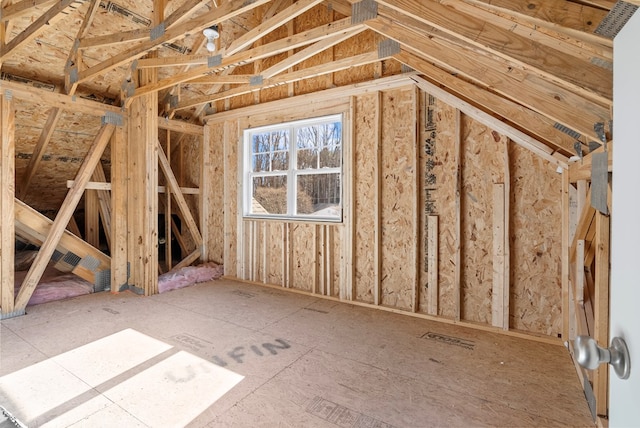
<point>280,161</point>
<point>307,158</point>
<point>269,195</point>
<point>319,195</point>
<point>330,157</point>
<point>270,151</point>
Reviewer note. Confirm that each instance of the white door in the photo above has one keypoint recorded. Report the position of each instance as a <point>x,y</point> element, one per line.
<point>624,398</point>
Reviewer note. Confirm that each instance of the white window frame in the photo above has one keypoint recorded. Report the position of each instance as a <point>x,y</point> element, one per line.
<point>293,172</point>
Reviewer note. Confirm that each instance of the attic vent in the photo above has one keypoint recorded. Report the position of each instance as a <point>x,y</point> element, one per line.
<point>129,14</point>
<point>568,131</point>
<point>29,82</point>
<point>615,20</point>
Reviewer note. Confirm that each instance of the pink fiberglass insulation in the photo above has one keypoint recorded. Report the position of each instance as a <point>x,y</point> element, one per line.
<point>54,286</point>
<point>189,275</point>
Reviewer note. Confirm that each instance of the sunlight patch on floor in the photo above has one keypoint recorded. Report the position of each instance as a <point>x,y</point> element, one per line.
<point>127,379</point>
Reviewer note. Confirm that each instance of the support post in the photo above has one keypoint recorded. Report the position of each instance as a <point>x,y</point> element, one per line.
<point>7,183</point>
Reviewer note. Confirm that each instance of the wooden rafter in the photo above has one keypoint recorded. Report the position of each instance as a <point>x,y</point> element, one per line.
<point>73,57</point>
<point>343,26</point>
<point>222,13</point>
<point>34,29</point>
<point>585,78</point>
<point>39,150</point>
<point>267,26</point>
<point>559,16</point>
<point>21,8</point>
<point>308,52</point>
<point>502,77</point>
<point>524,118</point>
<point>307,73</point>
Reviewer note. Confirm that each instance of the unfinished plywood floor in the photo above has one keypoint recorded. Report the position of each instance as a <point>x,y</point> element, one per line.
<point>224,354</point>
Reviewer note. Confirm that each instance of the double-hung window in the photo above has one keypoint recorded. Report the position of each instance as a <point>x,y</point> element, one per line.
<point>294,170</point>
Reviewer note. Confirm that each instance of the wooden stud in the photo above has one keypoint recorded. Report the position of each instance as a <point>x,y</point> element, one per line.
<point>119,202</point>
<point>168,215</point>
<point>507,235</point>
<point>377,216</point>
<point>7,180</point>
<point>432,264</point>
<point>290,276</point>
<point>62,218</point>
<point>91,218</point>
<point>457,158</point>
<point>329,254</point>
<point>498,310</point>
<point>206,194</point>
<point>104,202</point>
<point>266,260</point>
<point>564,254</point>
<point>315,287</point>
<point>417,224</point>
<point>601,309</point>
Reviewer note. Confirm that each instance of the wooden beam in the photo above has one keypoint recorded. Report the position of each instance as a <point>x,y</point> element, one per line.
<point>62,101</point>
<point>62,218</point>
<point>38,152</point>
<point>180,127</point>
<point>34,228</point>
<point>224,12</point>
<point>34,29</point>
<point>7,180</point>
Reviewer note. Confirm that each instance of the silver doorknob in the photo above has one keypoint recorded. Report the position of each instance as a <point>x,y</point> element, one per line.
<point>589,355</point>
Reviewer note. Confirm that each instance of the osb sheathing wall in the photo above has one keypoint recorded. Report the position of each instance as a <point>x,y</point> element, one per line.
<point>401,161</point>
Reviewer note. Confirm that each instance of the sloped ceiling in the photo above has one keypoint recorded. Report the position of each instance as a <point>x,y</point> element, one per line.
<point>536,64</point>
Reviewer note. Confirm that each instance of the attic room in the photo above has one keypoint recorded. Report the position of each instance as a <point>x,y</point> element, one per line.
<point>354,213</point>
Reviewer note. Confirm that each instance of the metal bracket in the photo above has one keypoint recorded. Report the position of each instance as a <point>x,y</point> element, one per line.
<point>214,61</point>
<point>363,11</point>
<point>13,314</point>
<point>387,48</point>
<point>256,80</point>
<point>157,31</point>
<point>112,118</point>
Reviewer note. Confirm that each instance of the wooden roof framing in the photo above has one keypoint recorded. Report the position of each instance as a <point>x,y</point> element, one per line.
<point>536,66</point>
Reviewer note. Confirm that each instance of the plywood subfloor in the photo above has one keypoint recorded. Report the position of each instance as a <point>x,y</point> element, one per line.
<point>223,354</point>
